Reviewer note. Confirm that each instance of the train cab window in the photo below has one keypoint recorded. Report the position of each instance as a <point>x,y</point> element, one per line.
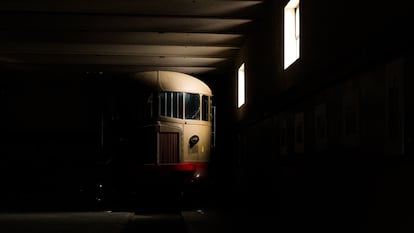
<point>205,108</point>
<point>171,104</point>
<point>192,106</point>
<point>178,106</point>
<point>149,107</point>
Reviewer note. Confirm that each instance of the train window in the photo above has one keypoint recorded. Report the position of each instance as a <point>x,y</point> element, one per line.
<point>192,106</point>
<point>149,110</point>
<point>205,108</point>
<point>163,103</point>
<point>171,104</point>
<point>178,105</point>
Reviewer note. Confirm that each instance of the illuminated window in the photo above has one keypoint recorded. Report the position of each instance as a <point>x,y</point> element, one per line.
<point>241,86</point>
<point>292,30</point>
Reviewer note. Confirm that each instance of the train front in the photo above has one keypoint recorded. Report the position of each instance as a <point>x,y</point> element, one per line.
<point>169,129</point>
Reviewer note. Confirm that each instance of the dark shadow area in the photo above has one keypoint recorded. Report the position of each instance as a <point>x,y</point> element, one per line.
<point>156,223</point>
<point>62,149</point>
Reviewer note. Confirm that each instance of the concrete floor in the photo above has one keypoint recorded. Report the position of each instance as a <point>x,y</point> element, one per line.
<point>190,221</point>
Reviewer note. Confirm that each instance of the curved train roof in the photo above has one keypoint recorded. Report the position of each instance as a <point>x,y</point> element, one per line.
<point>172,81</point>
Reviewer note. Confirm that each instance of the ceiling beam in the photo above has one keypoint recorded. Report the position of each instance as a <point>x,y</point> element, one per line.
<point>110,60</point>
<point>99,69</point>
<point>109,37</point>
<point>203,8</point>
<point>68,22</point>
<point>109,49</point>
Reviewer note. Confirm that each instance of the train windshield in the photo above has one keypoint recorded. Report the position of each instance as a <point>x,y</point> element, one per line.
<point>192,106</point>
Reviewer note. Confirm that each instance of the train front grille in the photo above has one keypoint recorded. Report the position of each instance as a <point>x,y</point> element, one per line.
<point>168,148</point>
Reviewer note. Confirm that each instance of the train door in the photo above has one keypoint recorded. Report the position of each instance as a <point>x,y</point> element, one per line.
<point>197,128</point>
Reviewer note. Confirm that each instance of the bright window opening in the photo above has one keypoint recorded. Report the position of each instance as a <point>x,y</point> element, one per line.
<point>241,86</point>
<point>292,32</point>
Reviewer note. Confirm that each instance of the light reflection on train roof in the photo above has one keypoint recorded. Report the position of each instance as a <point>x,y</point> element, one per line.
<point>172,81</point>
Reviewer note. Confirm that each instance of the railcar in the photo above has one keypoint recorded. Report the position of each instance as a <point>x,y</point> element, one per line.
<point>162,128</point>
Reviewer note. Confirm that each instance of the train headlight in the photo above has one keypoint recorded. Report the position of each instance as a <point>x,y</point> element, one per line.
<point>193,140</point>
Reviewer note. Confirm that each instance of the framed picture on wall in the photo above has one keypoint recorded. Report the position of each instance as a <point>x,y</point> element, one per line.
<point>299,132</point>
<point>351,114</point>
<point>394,78</point>
<point>282,125</point>
<point>321,127</point>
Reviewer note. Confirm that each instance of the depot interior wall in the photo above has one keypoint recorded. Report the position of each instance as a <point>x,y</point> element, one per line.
<point>346,52</point>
